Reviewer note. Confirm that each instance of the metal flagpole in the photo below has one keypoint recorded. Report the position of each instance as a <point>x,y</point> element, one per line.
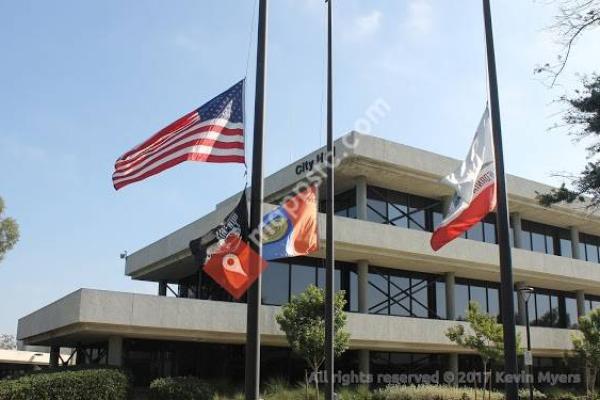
<point>330,254</point>
<point>252,355</point>
<point>502,222</point>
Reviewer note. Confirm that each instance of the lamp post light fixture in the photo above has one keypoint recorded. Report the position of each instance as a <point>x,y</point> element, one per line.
<point>525,293</point>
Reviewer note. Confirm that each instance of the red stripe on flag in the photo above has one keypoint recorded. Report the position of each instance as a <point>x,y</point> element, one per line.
<point>187,120</point>
<point>186,157</point>
<point>154,148</point>
<point>144,162</point>
<point>481,205</point>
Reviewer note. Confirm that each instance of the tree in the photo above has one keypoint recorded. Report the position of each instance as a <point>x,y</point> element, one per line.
<point>9,232</point>
<point>575,17</point>
<point>583,118</point>
<point>303,322</point>
<point>487,337</point>
<point>7,342</point>
<point>587,347</point>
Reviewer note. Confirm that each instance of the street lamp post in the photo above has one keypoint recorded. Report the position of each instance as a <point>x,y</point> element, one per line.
<point>525,294</point>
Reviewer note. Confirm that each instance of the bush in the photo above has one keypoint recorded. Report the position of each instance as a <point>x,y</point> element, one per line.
<point>280,389</point>
<point>554,393</point>
<point>431,392</point>
<point>537,395</point>
<point>97,384</point>
<point>180,388</point>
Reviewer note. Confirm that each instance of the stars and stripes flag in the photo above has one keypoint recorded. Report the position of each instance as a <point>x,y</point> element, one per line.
<point>212,133</point>
<point>474,184</point>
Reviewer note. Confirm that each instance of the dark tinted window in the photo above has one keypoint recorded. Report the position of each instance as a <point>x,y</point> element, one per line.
<point>570,312</point>
<point>275,283</point>
<point>490,232</point>
<point>402,209</point>
<point>545,238</point>
<point>565,248</point>
<point>302,276</point>
<point>461,300</point>
<point>378,294</point>
<point>493,301</point>
<point>403,293</point>
<point>440,298</point>
<point>399,295</point>
<point>420,303</point>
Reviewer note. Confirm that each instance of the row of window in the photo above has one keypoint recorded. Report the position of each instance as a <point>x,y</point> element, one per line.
<point>400,293</point>
<point>552,309</point>
<point>405,210</point>
<point>149,359</point>
<point>394,292</point>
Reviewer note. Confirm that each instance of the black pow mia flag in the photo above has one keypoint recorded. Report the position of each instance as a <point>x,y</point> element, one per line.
<point>236,223</point>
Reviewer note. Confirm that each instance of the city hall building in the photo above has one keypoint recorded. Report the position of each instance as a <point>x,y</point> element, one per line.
<point>401,296</point>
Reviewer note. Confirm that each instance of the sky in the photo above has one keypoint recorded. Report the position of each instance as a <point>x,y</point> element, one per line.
<point>82,82</point>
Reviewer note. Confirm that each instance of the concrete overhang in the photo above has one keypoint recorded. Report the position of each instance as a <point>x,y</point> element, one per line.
<point>88,316</point>
<point>393,247</point>
<point>383,163</point>
<point>401,248</point>
<point>24,357</point>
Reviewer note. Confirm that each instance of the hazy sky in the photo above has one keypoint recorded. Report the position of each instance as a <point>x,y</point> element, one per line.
<point>82,82</point>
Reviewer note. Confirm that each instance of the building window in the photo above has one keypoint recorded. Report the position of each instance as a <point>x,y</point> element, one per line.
<point>566,249</point>
<point>405,210</point>
<point>486,294</point>
<point>440,298</point>
<point>385,363</point>
<point>275,283</point>
<point>570,316</point>
<point>591,303</point>
<point>484,231</point>
<point>402,293</point>
<point>345,204</point>
<point>588,247</point>
<point>289,277</point>
<point>551,309</point>
<point>546,239</point>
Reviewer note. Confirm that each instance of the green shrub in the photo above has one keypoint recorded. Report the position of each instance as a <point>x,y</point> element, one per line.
<point>555,393</point>
<point>360,392</point>
<point>431,392</point>
<point>537,395</point>
<point>96,384</point>
<point>180,388</point>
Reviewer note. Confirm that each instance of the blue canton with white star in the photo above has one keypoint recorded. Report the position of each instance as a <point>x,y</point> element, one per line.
<point>228,105</point>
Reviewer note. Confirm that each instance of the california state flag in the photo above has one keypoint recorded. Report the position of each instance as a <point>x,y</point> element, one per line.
<point>474,185</point>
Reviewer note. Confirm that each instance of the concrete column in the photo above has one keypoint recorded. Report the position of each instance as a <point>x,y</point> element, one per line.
<point>453,367</point>
<point>451,315</point>
<point>363,286</point>
<point>450,290</point>
<point>580,303</point>
<point>363,307</point>
<point>54,356</point>
<point>115,351</point>
<point>446,201</point>
<point>521,306</point>
<point>361,197</point>
<point>517,242</point>
<point>363,361</point>
<point>576,252</point>
<point>162,288</point>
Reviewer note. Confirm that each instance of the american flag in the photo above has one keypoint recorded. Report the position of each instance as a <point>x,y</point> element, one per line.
<point>212,133</point>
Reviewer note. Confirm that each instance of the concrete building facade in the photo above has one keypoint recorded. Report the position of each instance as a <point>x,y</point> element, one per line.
<point>401,296</point>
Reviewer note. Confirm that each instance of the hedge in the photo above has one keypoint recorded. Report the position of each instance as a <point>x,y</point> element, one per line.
<point>442,392</point>
<point>180,388</point>
<point>93,384</point>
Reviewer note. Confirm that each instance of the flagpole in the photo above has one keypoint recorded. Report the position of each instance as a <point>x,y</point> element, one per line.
<point>330,253</point>
<point>252,355</point>
<point>502,222</point>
